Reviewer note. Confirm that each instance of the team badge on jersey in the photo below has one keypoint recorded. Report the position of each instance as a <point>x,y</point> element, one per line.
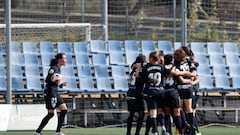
<point>51,71</point>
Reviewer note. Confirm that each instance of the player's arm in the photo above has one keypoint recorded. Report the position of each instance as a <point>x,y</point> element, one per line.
<point>184,80</point>
<point>183,73</point>
<point>195,80</point>
<point>137,69</point>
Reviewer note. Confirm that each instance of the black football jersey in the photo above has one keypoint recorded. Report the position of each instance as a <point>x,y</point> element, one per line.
<point>51,87</point>
<point>185,66</point>
<point>169,81</point>
<point>153,75</point>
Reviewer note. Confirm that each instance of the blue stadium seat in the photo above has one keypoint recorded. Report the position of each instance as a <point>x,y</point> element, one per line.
<point>216,59</point>
<point>147,47</point>
<point>131,57</point>
<point>3,71</point>
<point>34,84</point>
<point>121,84</point>
<point>80,47</point>
<point>230,47</point>
<point>46,58</point>
<point>84,71</point>
<point>15,47</point>
<point>235,82</point>
<point>31,70</point>
<point>206,83</point>
<point>3,84</point>
<point>18,84</point>
<point>16,70</point>
<point>46,47</point>
<point>64,47</point>
<point>234,70</point>
<point>98,46</point>
<point>177,45</point>
<point>87,85</point>
<point>201,58</point>
<point>17,59</point>
<point>131,46</point>
<point>72,84</point>
<point>114,46</point>
<point>68,71</point>
<point>165,46</point>
<point>118,71</point>
<point>2,51</point>
<point>198,47</point>
<point>82,59</point>
<point>219,70</point>
<point>232,58</point>
<point>104,85</point>
<point>203,69</point>
<point>116,58</point>
<point>214,47</point>
<point>2,63</point>
<point>101,71</point>
<point>29,47</point>
<point>99,59</point>
<point>70,61</point>
<point>31,59</point>
<point>222,83</point>
<point>45,69</point>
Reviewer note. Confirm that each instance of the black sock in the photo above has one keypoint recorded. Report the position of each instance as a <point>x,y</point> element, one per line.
<point>168,124</point>
<point>61,120</point>
<point>44,122</point>
<point>160,119</point>
<point>178,123</point>
<point>190,117</point>
<point>129,123</point>
<point>148,125</point>
<point>139,124</point>
<point>153,122</point>
<point>184,118</point>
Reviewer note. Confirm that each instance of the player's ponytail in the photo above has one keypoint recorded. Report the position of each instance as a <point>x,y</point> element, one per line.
<point>54,61</point>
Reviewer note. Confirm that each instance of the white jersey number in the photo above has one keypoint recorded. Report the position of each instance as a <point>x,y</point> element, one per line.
<point>156,77</point>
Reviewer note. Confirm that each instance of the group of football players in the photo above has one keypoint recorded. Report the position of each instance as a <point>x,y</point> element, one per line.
<point>168,84</point>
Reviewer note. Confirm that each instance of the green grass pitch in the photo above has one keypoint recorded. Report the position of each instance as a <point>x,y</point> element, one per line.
<point>121,131</point>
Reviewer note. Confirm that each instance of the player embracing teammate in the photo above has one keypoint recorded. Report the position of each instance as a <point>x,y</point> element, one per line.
<point>168,86</point>
<point>153,74</point>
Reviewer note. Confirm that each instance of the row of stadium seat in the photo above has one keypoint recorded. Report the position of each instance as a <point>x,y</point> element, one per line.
<point>30,78</point>
<point>125,53</point>
<point>99,46</point>
<point>33,58</point>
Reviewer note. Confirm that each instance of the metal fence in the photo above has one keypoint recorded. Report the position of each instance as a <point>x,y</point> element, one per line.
<point>208,20</point>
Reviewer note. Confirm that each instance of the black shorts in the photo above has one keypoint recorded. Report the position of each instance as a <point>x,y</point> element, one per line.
<point>185,93</point>
<point>156,100</point>
<point>53,102</point>
<point>135,105</point>
<point>172,98</point>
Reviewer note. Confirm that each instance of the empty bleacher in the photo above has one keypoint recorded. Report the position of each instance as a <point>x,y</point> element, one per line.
<point>110,60</point>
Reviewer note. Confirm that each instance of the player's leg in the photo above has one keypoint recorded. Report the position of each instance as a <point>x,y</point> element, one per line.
<point>63,111</point>
<point>153,120</point>
<point>189,112</point>
<point>140,110</point>
<point>129,122</point>
<point>167,120</point>
<point>148,125</point>
<point>194,105</point>
<point>45,120</point>
<point>50,105</point>
<point>139,122</point>
<point>161,120</point>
